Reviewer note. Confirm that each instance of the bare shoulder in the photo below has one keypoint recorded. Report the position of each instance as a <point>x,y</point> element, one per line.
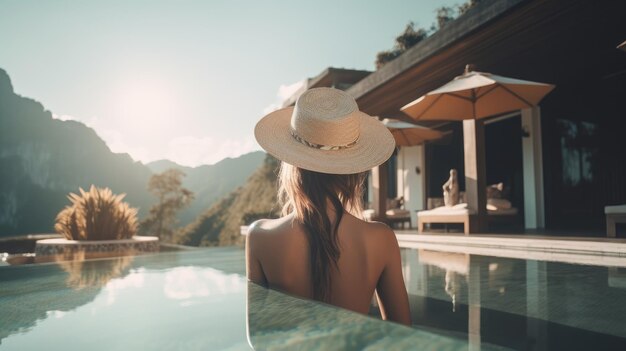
<point>374,231</point>
<point>381,233</point>
<point>268,227</point>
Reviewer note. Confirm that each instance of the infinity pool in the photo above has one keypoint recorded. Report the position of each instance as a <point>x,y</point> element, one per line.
<point>188,300</point>
<point>200,300</point>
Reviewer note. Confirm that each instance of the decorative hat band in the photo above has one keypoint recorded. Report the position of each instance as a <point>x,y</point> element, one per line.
<point>322,147</point>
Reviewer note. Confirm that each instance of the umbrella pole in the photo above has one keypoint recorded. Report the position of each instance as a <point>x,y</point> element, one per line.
<point>402,175</point>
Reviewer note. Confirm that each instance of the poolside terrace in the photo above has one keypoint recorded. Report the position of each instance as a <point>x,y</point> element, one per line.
<point>533,246</point>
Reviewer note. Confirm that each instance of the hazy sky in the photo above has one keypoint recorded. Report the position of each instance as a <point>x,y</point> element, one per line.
<point>187,80</point>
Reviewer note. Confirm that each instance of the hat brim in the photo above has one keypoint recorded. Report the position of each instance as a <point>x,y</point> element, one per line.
<point>374,146</point>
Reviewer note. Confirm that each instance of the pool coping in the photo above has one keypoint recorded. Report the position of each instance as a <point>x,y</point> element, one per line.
<point>588,251</point>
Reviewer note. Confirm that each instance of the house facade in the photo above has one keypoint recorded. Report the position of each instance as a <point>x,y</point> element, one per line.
<point>562,162</point>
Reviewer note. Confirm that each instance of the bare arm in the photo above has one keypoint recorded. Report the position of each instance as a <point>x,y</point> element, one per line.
<point>390,290</point>
<point>254,270</point>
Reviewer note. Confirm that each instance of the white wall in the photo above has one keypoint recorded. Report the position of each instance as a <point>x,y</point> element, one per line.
<point>410,184</point>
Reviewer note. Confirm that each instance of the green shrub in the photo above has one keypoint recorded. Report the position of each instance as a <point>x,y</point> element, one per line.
<point>97,215</point>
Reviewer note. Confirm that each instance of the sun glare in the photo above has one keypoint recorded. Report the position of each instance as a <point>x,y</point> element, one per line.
<point>147,104</point>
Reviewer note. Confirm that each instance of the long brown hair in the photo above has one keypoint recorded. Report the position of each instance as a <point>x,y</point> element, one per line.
<point>306,194</point>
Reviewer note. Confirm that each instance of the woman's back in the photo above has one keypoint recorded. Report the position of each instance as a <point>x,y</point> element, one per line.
<point>278,257</point>
<point>319,250</point>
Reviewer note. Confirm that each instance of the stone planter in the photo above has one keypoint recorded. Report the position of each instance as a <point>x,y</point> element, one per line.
<point>50,250</point>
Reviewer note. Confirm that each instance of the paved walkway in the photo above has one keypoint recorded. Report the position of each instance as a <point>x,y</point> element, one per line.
<point>589,251</point>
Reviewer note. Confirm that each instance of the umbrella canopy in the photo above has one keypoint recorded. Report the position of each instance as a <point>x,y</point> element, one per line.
<point>476,95</point>
<point>407,134</point>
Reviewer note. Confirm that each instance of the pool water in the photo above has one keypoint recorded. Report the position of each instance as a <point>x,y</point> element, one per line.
<point>200,300</point>
<point>518,304</point>
<point>165,301</point>
<point>188,300</point>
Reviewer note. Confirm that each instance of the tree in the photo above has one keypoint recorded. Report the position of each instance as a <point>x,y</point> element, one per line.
<point>404,41</point>
<point>410,37</point>
<point>172,198</point>
<point>464,7</point>
<point>386,56</point>
<point>444,16</point>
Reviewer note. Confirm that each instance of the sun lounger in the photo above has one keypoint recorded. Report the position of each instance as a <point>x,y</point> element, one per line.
<point>455,214</point>
<point>459,214</point>
<point>398,215</point>
<point>614,215</point>
<point>395,214</point>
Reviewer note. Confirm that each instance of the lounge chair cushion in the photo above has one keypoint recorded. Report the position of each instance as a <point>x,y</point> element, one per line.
<point>398,213</point>
<point>618,209</point>
<point>462,209</point>
<point>502,212</point>
<point>498,204</point>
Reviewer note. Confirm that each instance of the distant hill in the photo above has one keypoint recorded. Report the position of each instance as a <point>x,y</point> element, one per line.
<point>219,225</point>
<point>163,165</point>
<point>43,159</point>
<point>212,182</point>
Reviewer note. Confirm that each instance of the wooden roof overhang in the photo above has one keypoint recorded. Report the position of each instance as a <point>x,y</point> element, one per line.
<point>330,77</point>
<point>526,39</point>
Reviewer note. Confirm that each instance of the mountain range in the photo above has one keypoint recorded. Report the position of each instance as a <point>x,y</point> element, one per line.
<point>220,224</point>
<point>211,182</point>
<point>42,159</point>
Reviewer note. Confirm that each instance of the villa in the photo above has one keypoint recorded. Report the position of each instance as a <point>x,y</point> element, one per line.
<point>543,270</point>
<point>560,163</point>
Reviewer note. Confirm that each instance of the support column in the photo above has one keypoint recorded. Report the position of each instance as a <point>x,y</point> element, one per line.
<point>379,185</point>
<point>473,297</point>
<point>534,215</point>
<point>475,173</point>
<point>537,303</point>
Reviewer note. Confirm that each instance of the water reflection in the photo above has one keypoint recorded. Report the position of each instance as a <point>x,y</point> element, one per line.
<point>455,265</point>
<point>188,283</point>
<point>190,300</point>
<point>165,301</point>
<point>94,274</point>
<point>278,321</point>
<point>53,290</point>
<point>452,286</point>
<point>32,293</point>
<point>522,304</point>
<point>617,277</point>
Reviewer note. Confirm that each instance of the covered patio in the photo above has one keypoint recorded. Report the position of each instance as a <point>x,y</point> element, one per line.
<point>531,40</point>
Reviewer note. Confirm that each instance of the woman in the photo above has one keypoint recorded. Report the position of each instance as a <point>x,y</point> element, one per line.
<point>320,248</point>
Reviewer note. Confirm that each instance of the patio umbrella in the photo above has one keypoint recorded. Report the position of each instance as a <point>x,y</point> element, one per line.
<point>407,134</point>
<point>476,95</point>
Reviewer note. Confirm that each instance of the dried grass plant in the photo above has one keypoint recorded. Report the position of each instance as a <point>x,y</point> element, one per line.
<point>97,214</point>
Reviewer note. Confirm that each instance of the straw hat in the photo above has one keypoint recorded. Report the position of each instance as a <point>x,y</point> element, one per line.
<point>325,132</point>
